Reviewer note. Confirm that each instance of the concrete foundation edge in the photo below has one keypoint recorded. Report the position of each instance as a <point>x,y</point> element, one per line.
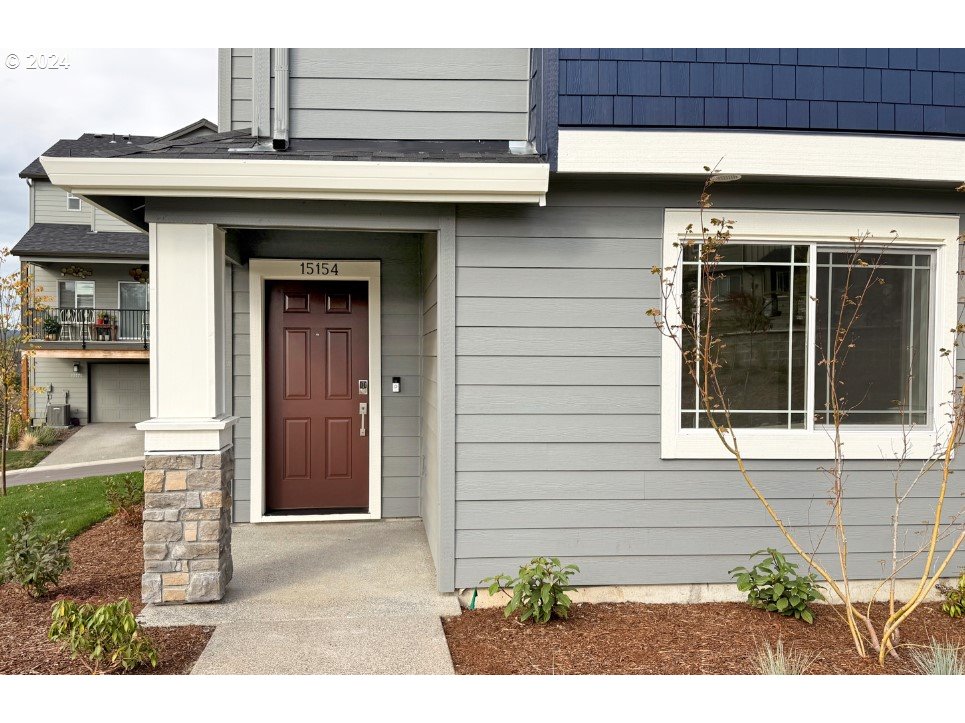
<point>861,590</point>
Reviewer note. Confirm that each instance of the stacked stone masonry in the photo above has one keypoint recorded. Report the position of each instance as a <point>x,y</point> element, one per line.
<point>187,527</point>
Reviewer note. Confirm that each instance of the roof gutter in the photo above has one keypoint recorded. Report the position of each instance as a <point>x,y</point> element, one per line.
<point>278,178</point>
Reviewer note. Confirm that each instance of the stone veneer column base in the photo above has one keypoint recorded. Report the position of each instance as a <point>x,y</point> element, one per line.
<point>187,526</point>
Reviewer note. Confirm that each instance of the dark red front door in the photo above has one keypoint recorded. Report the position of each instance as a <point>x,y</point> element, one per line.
<point>317,457</point>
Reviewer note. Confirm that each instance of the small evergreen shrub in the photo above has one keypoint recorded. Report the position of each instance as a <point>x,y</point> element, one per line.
<point>778,661</point>
<point>14,431</point>
<point>105,638</point>
<point>774,585</point>
<point>954,597</point>
<point>939,659</point>
<point>33,560</point>
<point>125,495</point>
<point>539,590</point>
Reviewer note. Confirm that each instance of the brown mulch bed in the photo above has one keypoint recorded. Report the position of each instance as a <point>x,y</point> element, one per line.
<point>664,639</point>
<point>107,566</point>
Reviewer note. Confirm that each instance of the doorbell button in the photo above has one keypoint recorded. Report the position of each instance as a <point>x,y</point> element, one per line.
<point>396,384</point>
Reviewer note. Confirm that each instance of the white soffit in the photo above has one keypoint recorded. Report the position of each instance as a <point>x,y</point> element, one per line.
<point>803,155</point>
<point>321,180</point>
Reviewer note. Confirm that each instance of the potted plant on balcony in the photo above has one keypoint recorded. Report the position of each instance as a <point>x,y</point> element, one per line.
<point>51,329</point>
<point>104,326</point>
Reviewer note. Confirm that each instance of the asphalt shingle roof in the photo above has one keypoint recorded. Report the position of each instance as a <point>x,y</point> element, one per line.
<point>88,145</point>
<point>61,239</point>
<point>240,145</point>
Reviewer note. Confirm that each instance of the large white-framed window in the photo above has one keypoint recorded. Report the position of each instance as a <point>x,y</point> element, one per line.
<point>776,283</point>
<point>75,294</point>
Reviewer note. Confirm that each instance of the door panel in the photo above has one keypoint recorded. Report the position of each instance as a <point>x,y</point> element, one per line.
<point>316,342</point>
<point>297,364</point>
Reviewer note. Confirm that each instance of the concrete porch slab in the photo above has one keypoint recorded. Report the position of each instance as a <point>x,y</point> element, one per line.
<point>324,598</point>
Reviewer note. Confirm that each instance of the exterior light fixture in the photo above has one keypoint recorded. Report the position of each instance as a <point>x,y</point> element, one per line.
<point>76,367</point>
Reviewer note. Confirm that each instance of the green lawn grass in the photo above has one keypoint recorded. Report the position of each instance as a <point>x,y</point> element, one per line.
<point>72,505</point>
<point>23,460</point>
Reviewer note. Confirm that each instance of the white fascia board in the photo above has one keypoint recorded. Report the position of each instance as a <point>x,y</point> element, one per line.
<point>799,155</point>
<point>316,180</point>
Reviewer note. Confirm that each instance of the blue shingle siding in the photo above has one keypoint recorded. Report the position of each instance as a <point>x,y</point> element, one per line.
<point>893,90</point>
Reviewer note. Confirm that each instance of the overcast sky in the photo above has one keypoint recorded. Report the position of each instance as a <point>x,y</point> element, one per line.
<point>143,92</point>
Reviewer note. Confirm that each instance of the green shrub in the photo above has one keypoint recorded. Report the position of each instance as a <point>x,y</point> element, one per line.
<point>539,591</point>
<point>954,597</point>
<point>939,659</point>
<point>778,661</point>
<point>14,431</point>
<point>34,560</point>
<point>45,435</point>
<point>105,638</point>
<point>774,585</point>
<point>125,495</point>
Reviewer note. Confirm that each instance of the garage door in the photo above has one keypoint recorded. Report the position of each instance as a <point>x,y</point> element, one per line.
<point>119,393</point>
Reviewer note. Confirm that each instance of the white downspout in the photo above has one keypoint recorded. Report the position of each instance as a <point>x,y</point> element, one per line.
<point>279,134</point>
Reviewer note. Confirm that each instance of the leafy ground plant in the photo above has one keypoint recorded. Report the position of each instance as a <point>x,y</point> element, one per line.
<point>125,495</point>
<point>774,585</point>
<point>539,590</point>
<point>781,661</point>
<point>939,659</point>
<point>33,559</point>
<point>105,638</point>
<point>954,597</point>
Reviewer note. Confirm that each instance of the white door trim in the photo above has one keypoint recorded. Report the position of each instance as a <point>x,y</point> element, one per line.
<point>260,270</point>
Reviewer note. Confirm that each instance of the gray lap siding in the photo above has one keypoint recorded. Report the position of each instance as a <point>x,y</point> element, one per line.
<point>558,400</point>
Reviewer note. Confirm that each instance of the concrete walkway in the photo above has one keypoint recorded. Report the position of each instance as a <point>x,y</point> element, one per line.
<point>324,598</point>
<point>98,443</point>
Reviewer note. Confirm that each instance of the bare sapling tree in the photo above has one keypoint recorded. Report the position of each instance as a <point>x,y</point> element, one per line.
<point>16,322</point>
<point>691,317</point>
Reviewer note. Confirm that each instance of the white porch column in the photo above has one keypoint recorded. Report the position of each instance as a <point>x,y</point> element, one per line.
<point>189,465</point>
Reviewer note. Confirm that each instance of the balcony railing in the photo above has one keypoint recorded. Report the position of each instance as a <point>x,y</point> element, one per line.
<point>91,325</point>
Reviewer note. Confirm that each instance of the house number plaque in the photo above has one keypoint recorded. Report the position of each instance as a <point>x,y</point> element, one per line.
<point>319,268</point>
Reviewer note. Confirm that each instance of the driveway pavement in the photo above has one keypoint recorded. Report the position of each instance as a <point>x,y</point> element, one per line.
<point>98,443</point>
<point>324,598</point>
<point>94,450</point>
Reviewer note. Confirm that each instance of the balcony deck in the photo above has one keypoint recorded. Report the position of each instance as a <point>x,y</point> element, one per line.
<point>99,333</point>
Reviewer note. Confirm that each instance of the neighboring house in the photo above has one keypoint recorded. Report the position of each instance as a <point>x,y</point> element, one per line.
<point>89,285</point>
<point>413,283</point>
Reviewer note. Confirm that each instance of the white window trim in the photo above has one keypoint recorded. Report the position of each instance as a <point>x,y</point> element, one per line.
<point>80,204</point>
<point>260,270</point>
<point>935,233</point>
